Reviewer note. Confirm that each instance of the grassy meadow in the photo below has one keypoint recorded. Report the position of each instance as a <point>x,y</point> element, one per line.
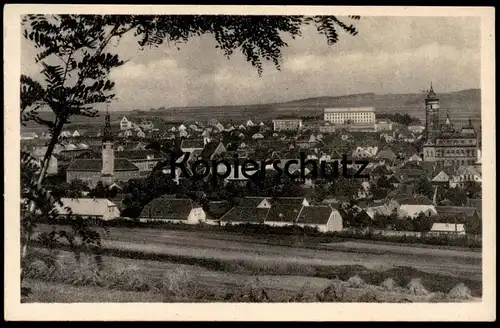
<point>178,266</point>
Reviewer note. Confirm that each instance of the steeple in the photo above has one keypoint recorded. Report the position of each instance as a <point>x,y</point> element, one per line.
<point>470,123</point>
<point>107,134</point>
<point>108,153</point>
<point>431,94</point>
<point>448,122</point>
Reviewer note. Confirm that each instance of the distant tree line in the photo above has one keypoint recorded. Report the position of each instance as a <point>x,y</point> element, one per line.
<point>311,118</point>
<point>404,119</point>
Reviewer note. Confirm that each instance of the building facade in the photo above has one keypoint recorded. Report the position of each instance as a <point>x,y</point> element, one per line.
<point>352,115</point>
<point>446,145</point>
<point>431,114</point>
<point>125,124</point>
<point>287,124</point>
<point>107,169</point>
<point>383,125</point>
<point>327,128</point>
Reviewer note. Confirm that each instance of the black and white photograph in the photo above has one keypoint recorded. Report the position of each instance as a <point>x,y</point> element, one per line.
<point>251,158</point>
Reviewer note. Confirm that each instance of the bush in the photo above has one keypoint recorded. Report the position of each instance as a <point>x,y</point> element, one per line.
<point>307,234</point>
<point>389,284</point>
<point>334,292</point>
<point>355,282</point>
<point>415,287</point>
<point>460,292</point>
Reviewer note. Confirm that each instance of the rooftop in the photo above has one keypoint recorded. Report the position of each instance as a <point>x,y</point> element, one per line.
<point>166,207</point>
<point>349,109</point>
<point>318,214</point>
<point>95,165</point>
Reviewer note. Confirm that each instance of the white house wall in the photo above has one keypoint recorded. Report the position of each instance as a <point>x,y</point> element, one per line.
<point>196,216</point>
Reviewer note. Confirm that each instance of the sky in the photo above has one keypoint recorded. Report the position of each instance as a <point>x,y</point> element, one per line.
<point>389,55</point>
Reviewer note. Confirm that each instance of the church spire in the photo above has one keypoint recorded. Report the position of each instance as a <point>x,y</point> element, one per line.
<point>431,94</point>
<point>107,135</point>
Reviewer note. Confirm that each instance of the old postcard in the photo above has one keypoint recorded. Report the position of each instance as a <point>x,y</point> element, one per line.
<point>249,163</point>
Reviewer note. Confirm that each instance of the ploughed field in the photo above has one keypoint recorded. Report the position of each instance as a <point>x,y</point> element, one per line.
<point>219,263</point>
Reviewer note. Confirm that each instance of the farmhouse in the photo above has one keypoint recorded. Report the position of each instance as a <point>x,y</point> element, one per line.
<point>413,206</point>
<point>216,209</point>
<point>244,215</point>
<point>167,209</point>
<point>322,217</point>
<point>285,211</point>
<point>448,228</point>
<point>283,215</point>
<point>98,208</point>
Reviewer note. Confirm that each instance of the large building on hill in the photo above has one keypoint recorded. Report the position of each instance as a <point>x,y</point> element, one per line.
<point>107,169</point>
<point>444,144</point>
<point>350,115</point>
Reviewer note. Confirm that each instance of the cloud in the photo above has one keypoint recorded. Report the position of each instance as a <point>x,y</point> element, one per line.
<point>389,55</point>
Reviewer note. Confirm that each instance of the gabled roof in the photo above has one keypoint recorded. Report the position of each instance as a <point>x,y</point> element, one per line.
<point>417,200</point>
<point>380,210</point>
<point>441,176</point>
<point>209,149</point>
<point>218,208</point>
<point>192,143</point>
<point>85,206</point>
<point>166,207</point>
<point>447,227</point>
<point>95,165</point>
<point>251,201</point>
<point>317,214</point>
<point>245,214</point>
<point>415,158</point>
<point>284,213</point>
<point>456,210</point>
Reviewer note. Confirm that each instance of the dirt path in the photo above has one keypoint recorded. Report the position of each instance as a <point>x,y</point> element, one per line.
<point>367,246</point>
<point>463,264</point>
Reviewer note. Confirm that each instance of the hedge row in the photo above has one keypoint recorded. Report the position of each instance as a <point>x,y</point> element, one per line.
<point>306,234</point>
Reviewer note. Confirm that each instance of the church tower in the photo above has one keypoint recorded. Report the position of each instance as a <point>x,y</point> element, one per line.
<point>431,114</point>
<point>108,153</point>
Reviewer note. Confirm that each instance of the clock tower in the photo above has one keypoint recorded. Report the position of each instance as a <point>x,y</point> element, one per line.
<point>108,154</point>
<point>431,115</point>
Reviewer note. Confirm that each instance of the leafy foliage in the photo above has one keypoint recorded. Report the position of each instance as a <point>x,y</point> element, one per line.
<point>404,119</point>
<point>76,66</point>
